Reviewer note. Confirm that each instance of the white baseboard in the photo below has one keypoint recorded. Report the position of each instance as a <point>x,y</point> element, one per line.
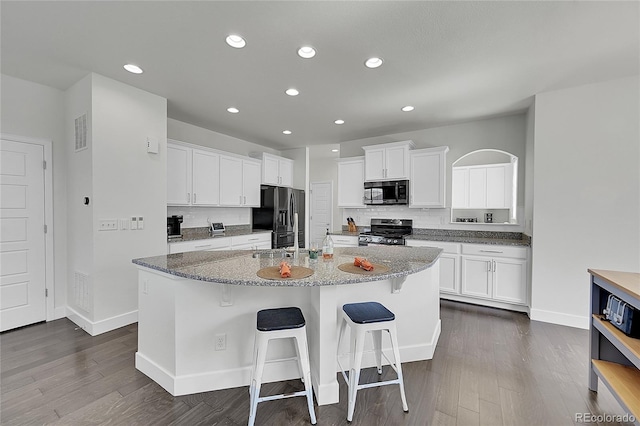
<point>102,326</point>
<point>485,302</point>
<point>560,318</point>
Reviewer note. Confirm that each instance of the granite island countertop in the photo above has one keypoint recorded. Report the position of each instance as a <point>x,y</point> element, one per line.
<point>239,267</point>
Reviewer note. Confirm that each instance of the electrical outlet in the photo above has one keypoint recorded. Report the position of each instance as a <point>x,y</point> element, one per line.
<point>221,342</point>
<point>145,286</point>
<point>108,225</point>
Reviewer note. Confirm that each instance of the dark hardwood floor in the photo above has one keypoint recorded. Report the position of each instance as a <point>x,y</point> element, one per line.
<point>491,367</point>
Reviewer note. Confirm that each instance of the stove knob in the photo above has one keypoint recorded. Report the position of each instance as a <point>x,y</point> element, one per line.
<point>395,241</point>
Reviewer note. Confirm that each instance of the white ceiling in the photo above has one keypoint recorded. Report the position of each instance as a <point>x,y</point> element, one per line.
<point>453,61</point>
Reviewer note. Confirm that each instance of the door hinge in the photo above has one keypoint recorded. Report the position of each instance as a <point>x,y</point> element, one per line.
<point>44,164</point>
<point>46,292</point>
<point>45,229</point>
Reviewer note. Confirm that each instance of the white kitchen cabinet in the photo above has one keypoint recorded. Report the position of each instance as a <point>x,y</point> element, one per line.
<point>340,240</point>
<point>482,187</point>
<point>351,182</point>
<point>206,178</point>
<point>251,241</point>
<point>208,244</point>
<point>498,273</point>
<point>449,263</point>
<point>387,161</point>
<point>239,182</point>
<point>179,177</point>
<point>276,170</point>
<point>427,180</point>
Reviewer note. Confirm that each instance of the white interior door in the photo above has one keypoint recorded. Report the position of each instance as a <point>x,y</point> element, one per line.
<point>22,238</point>
<point>321,206</point>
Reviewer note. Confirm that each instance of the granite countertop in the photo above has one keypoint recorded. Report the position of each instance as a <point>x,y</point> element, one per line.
<point>240,267</point>
<point>472,239</point>
<point>195,234</point>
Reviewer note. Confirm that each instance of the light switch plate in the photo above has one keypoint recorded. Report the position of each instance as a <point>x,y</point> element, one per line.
<point>108,225</point>
<point>134,222</point>
<point>140,222</point>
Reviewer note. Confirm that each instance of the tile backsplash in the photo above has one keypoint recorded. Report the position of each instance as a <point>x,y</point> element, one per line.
<point>195,217</point>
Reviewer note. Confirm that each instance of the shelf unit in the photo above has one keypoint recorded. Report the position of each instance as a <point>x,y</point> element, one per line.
<point>615,357</point>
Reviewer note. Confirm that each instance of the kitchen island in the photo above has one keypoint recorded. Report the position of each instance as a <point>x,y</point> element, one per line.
<point>197,313</point>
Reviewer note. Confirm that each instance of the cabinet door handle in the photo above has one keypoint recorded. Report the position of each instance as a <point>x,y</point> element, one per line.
<point>204,246</point>
<point>488,266</point>
<point>188,197</point>
<point>494,266</point>
<point>245,199</point>
<point>491,251</point>
<point>194,198</point>
<point>240,199</point>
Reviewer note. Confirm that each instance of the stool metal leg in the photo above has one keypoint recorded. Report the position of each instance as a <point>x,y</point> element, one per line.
<point>256,380</point>
<point>377,346</point>
<point>396,355</point>
<point>305,367</point>
<point>357,347</point>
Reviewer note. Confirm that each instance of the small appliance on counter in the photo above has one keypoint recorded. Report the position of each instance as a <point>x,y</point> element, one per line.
<point>173,227</point>
<point>352,225</point>
<point>216,228</point>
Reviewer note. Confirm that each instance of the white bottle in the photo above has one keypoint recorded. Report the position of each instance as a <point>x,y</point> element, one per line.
<point>327,247</point>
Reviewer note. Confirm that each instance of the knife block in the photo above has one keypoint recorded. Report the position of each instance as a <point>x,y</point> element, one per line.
<point>353,227</point>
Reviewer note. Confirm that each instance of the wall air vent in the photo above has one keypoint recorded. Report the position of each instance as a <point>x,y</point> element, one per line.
<point>81,291</point>
<point>81,132</point>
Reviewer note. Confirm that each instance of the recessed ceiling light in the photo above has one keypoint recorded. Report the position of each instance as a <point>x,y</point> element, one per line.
<point>233,110</point>
<point>292,92</point>
<point>306,52</point>
<point>373,62</point>
<point>335,150</point>
<point>236,41</point>
<point>286,132</point>
<point>133,69</point>
<point>339,121</point>
<point>407,108</point>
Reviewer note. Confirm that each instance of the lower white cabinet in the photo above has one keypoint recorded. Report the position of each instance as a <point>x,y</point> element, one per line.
<point>490,275</point>
<point>495,272</point>
<point>449,263</point>
<point>240,242</point>
<point>251,241</point>
<point>344,240</point>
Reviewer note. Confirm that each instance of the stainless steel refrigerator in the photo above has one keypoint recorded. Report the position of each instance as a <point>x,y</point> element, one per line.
<point>276,212</point>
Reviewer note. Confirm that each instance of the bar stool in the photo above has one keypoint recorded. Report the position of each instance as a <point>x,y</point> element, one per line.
<point>375,318</point>
<point>279,323</point>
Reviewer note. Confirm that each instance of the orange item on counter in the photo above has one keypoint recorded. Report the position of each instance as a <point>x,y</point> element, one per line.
<point>363,263</point>
<point>285,270</point>
<point>366,265</point>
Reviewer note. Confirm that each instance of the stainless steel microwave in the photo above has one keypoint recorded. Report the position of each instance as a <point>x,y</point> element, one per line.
<point>386,192</point>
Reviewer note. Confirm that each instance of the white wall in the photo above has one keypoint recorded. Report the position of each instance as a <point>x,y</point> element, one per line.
<point>586,193</point>
<point>80,247</point>
<point>529,168</point>
<point>127,181</point>
<point>189,133</point>
<point>33,110</point>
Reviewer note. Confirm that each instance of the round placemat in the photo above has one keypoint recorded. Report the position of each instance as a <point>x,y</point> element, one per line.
<point>273,273</point>
<point>352,269</point>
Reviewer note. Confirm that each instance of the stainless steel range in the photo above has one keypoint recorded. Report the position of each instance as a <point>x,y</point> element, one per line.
<point>388,232</point>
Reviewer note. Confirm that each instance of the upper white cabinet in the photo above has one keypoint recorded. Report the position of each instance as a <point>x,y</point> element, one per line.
<point>387,161</point>
<point>206,177</point>
<point>485,186</point>
<point>276,170</point>
<point>351,182</point>
<point>179,177</point>
<point>427,181</point>
<point>206,173</point>
<point>239,182</point>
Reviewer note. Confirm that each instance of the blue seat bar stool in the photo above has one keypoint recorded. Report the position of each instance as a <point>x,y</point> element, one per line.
<point>279,323</point>
<point>375,318</point>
